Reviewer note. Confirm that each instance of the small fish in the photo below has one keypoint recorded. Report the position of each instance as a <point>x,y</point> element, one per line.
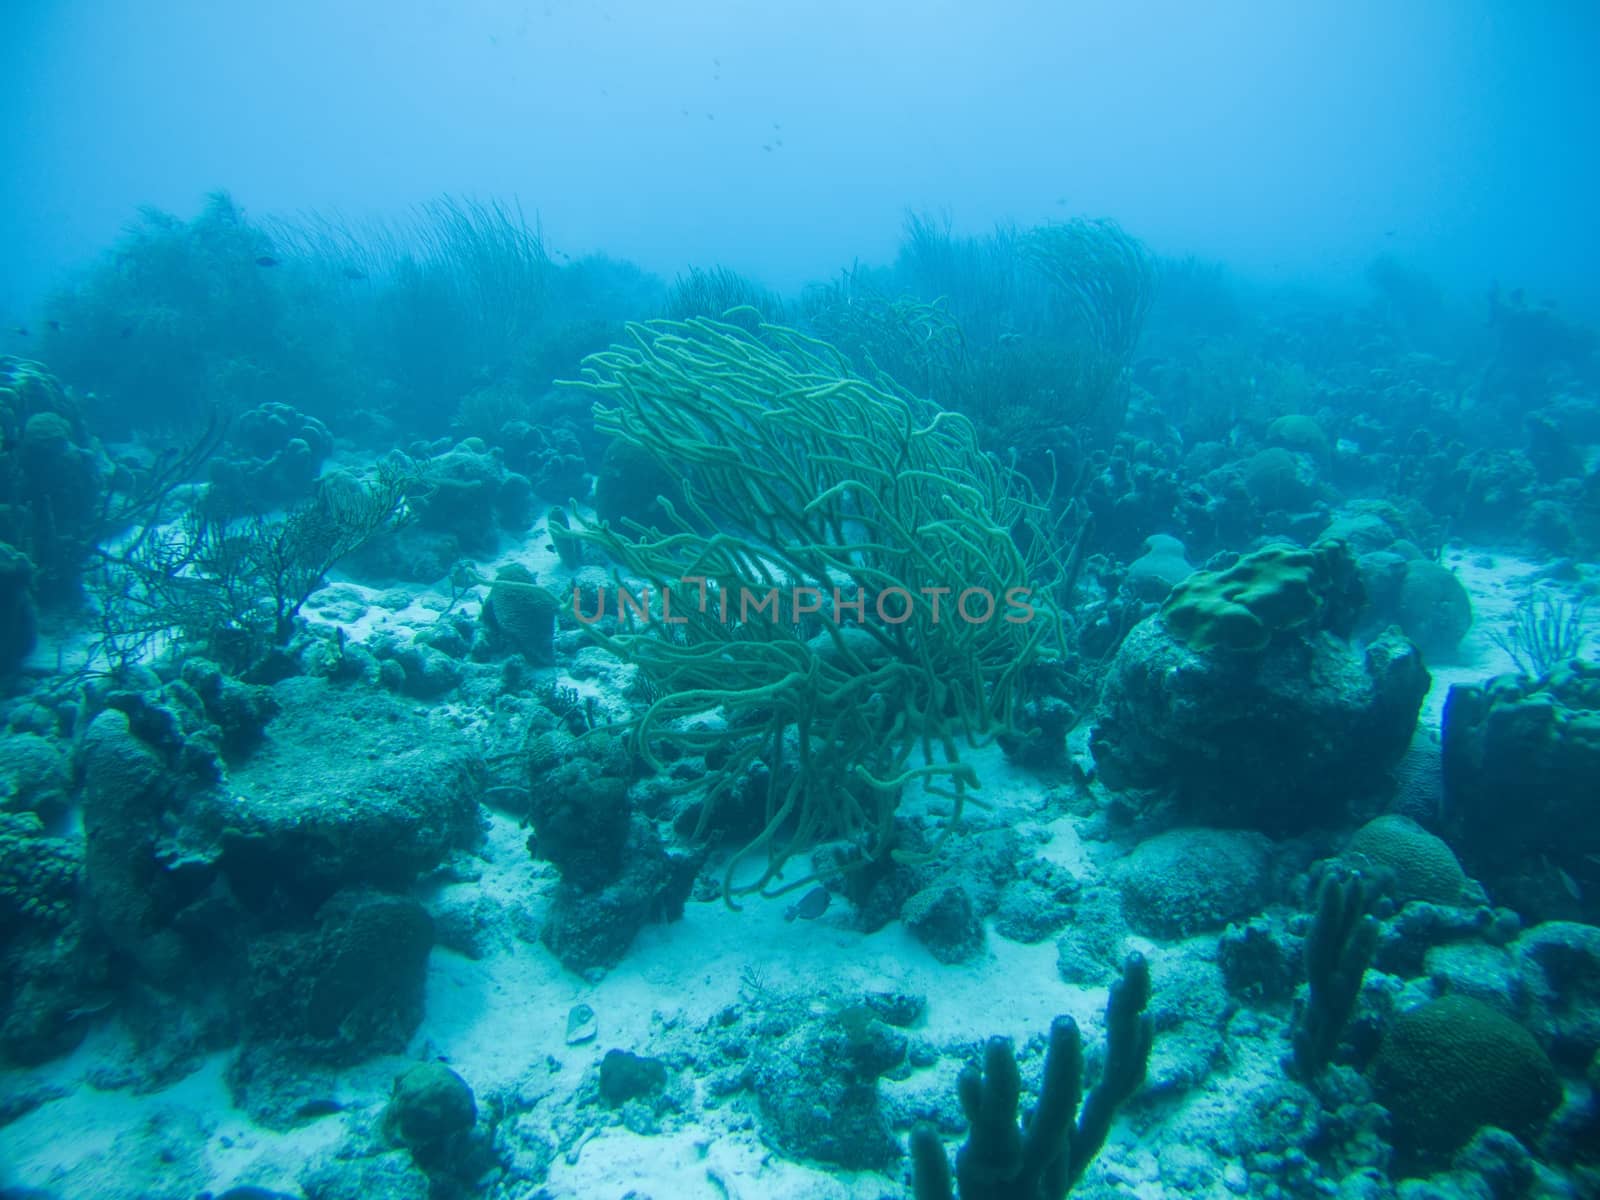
<point>767,146</point>
<point>22,331</point>
<point>810,906</point>
<point>1570,884</point>
<point>125,332</point>
<point>92,1009</point>
<point>266,260</point>
<point>355,273</point>
<point>1388,233</point>
<point>55,326</point>
<point>777,141</point>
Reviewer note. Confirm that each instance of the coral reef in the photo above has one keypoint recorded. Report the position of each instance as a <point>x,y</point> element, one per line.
<point>364,834</point>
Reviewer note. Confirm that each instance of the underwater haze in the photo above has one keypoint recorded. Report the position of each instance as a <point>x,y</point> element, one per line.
<point>1293,140</point>
<point>799,601</point>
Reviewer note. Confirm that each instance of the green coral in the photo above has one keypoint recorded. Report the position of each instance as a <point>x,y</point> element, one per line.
<point>1454,1065</point>
<point>1241,608</point>
<point>792,476</point>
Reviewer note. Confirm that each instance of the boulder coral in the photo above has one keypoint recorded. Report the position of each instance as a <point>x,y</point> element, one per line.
<point>1266,741</point>
<point>1410,862</point>
<point>1454,1065</point>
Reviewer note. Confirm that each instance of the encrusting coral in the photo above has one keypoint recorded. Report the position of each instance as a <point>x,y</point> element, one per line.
<point>1239,610</point>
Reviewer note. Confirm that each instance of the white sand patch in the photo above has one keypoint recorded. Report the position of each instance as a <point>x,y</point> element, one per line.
<point>1499,584</point>
<point>185,1138</point>
<point>501,1021</point>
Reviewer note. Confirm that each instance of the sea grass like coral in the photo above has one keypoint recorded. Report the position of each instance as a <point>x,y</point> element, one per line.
<point>1106,278</point>
<point>851,580</point>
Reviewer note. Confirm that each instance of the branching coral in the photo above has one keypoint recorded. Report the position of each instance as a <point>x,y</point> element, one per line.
<point>1107,278</point>
<point>236,584</point>
<point>712,293</point>
<point>1543,633</point>
<point>850,579</point>
<point>920,345</point>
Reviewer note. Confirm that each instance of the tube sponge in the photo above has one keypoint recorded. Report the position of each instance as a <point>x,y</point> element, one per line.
<point>1044,1157</point>
<point>1338,950</point>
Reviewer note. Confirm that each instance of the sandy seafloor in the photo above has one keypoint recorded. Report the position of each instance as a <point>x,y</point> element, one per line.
<point>500,1021</point>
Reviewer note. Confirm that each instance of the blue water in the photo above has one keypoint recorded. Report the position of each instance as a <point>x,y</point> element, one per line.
<point>603,600</point>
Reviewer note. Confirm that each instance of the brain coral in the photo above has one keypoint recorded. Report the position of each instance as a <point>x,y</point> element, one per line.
<point>522,613</point>
<point>1454,1065</point>
<point>1420,865</point>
